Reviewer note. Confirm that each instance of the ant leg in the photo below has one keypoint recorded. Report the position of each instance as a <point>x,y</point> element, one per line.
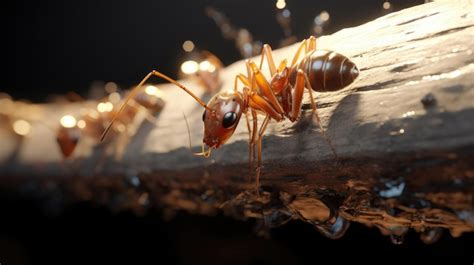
<point>150,118</point>
<point>249,72</point>
<point>252,108</point>
<point>282,65</point>
<point>251,77</point>
<point>138,88</point>
<point>254,131</point>
<point>315,113</point>
<point>297,96</point>
<point>308,45</point>
<point>259,144</point>
<point>311,44</point>
<point>298,52</point>
<point>251,144</point>
<point>262,83</point>
<point>267,51</point>
<point>260,103</point>
<point>297,99</point>
<point>242,79</point>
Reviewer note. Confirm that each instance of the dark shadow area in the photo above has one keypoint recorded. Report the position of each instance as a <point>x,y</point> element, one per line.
<point>88,234</point>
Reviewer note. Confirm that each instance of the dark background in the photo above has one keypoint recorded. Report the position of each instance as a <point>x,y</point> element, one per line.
<point>59,46</point>
<point>86,233</point>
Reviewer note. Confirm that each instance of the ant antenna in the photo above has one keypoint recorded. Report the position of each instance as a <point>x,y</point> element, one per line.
<point>204,153</point>
<point>138,88</point>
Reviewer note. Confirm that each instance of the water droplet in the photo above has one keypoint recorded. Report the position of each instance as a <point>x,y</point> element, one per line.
<point>336,230</point>
<point>431,235</point>
<point>397,235</point>
<point>466,215</point>
<point>392,188</point>
<point>133,180</point>
<point>397,239</point>
<point>276,218</point>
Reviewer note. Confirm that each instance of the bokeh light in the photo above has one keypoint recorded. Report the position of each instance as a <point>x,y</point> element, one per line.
<point>280,4</point>
<point>81,124</point>
<point>188,46</point>
<point>22,127</point>
<point>105,107</point>
<point>110,87</point>
<point>68,121</point>
<point>207,66</point>
<point>114,97</point>
<point>153,91</point>
<point>189,67</point>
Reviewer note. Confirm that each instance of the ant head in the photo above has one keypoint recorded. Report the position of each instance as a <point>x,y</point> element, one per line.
<point>222,117</point>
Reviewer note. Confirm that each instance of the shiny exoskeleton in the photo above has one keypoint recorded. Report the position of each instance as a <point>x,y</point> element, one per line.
<point>278,98</point>
<point>327,70</point>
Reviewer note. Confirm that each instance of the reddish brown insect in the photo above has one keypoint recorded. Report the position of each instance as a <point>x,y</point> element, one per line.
<point>277,99</point>
<point>67,139</point>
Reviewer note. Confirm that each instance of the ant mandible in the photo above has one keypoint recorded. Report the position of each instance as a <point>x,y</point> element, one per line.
<point>279,99</point>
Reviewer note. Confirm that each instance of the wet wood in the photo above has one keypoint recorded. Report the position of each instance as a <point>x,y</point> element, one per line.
<point>405,123</point>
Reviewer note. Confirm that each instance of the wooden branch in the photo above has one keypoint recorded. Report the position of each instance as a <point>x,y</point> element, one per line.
<point>404,134</point>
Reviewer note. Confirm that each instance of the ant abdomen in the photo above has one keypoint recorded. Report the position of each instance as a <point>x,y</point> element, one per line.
<point>326,70</point>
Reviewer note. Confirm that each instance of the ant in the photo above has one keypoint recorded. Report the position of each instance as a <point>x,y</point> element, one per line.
<point>278,99</point>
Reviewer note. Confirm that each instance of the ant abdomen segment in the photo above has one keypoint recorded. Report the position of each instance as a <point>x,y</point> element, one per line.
<point>326,70</point>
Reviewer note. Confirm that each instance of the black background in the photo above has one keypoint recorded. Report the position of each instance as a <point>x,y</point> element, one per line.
<point>86,233</point>
<point>58,46</point>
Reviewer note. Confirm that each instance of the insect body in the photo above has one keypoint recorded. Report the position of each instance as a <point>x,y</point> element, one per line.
<point>327,70</point>
<point>279,98</point>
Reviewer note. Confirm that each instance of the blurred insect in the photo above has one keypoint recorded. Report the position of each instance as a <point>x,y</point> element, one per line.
<point>68,135</point>
<point>279,98</point>
<point>15,117</point>
<point>152,100</point>
<point>209,69</point>
<point>91,123</point>
<point>320,22</point>
<point>206,67</point>
<point>283,17</point>
<point>242,37</point>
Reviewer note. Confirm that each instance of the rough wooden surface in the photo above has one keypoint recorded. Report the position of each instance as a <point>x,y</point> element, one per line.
<point>385,136</point>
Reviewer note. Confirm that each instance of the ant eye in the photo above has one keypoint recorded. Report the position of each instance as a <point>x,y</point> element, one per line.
<point>204,115</point>
<point>229,119</point>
